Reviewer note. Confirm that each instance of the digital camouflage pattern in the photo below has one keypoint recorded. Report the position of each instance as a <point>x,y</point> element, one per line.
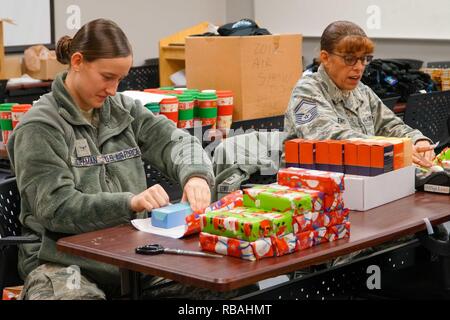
<point>318,109</point>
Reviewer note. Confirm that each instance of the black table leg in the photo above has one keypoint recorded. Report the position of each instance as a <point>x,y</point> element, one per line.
<point>131,284</point>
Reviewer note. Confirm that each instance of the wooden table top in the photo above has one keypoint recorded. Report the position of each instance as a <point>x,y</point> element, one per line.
<point>388,222</point>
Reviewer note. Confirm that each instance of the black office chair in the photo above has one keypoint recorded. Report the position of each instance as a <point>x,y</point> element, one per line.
<point>430,114</point>
<point>154,176</point>
<point>3,90</point>
<point>390,102</point>
<point>173,188</point>
<point>439,64</point>
<point>143,77</point>
<point>10,231</point>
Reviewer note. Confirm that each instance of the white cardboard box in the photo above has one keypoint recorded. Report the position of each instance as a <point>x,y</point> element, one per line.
<point>364,193</point>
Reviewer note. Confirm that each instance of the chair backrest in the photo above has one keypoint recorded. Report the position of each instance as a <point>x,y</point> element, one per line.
<point>9,226</point>
<point>154,176</point>
<point>202,133</point>
<point>439,64</point>
<point>430,114</point>
<point>143,77</point>
<point>9,208</point>
<point>269,123</point>
<point>390,102</point>
<point>3,90</point>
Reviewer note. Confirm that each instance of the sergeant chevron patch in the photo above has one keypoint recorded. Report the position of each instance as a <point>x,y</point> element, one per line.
<point>305,112</point>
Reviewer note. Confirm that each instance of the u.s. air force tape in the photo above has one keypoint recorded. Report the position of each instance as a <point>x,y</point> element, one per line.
<point>101,159</point>
<point>305,112</point>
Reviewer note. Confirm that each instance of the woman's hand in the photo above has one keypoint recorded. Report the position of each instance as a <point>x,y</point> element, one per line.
<point>152,198</point>
<point>197,193</point>
<point>423,153</point>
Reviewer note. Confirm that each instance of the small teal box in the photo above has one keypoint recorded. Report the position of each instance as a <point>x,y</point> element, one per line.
<point>171,216</point>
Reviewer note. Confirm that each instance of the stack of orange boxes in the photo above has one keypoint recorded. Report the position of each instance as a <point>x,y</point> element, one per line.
<point>365,157</point>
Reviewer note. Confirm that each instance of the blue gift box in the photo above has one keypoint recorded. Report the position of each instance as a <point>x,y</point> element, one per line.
<point>171,216</point>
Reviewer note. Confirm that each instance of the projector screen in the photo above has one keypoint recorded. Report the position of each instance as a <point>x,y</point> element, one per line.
<point>392,19</point>
<point>34,23</point>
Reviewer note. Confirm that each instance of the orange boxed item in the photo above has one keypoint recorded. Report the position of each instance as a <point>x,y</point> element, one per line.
<point>336,155</point>
<point>351,157</point>
<point>261,71</point>
<point>307,149</point>
<point>402,150</point>
<point>322,155</point>
<point>381,158</point>
<point>363,159</point>
<point>292,152</point>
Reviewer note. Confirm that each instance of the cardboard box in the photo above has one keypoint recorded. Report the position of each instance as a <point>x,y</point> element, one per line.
<point>49,69</point>
<point>12,67</point>
<point>2,48</point>
<point>364,193</point>
<point>260,70</point>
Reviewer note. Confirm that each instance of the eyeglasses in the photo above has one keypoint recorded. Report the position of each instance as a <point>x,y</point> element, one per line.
<point>351,60</point>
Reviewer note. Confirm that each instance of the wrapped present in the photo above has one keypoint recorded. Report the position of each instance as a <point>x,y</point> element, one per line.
<point>338,231</point>
<point>230,201</point>
<point>281,198</point>
<point>278,198</point>
<point>12,293</point>
<point>247,224</point>
<point>255,250</point>
<point>306,239</point>
<point>284,245</point>
<point>327,182</point>
<point>171,216</point>
<point>332,233</point>
<point>272,246</point>
<point>235,247</point>
<point>322,201</point>
<point>443,156</point>
<point>314,220</point>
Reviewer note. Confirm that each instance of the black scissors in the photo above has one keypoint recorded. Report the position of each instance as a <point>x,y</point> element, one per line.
<point>152,249</point>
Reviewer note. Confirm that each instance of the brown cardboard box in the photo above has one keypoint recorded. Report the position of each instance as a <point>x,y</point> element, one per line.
<point>49,69</point>
<point>260,70</point>
<point>2,48</point>
<point>12,67</point>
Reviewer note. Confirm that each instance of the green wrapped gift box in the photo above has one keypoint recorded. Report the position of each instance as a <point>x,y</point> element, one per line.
<point>278,198</point>
<point>247,224</point>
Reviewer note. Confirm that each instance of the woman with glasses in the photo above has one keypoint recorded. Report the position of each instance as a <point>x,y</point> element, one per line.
<point>333,103</point>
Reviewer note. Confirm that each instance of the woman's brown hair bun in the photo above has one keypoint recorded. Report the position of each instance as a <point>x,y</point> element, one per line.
<point>63,53</point>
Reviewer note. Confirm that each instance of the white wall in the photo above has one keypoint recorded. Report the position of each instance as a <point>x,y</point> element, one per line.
<point>425,50</point>
<point>147,21</point>
<point>399,19</point>
<point>239,9</point>
<point>144,21</point>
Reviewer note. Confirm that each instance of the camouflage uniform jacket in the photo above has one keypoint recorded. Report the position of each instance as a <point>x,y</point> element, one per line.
<point>75,178</point>
<point>318,109</point>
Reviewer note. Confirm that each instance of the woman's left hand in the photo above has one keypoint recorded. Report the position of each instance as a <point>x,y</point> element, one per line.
<point>423,153</point>
<point>197,193</point>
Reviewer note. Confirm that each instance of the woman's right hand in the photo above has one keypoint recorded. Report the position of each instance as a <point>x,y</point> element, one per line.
<point>152,198</point>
